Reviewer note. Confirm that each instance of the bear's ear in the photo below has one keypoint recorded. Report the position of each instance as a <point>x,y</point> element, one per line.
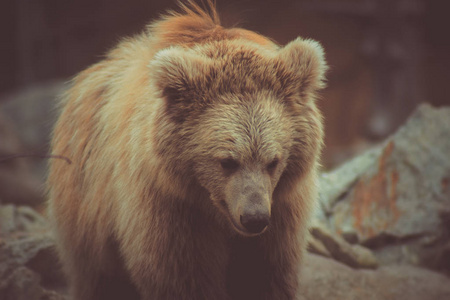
<point>177,74</point>
<point>306,59</point>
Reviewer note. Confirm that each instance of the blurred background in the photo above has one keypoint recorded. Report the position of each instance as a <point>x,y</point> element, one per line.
<point>386,56</point>
<point>387,207</point>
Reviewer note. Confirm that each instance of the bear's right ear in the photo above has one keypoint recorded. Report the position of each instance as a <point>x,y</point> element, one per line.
<point>306,59</point>
<point>177,74</point>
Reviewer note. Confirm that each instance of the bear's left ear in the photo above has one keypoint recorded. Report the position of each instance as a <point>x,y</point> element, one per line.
<point>306,59</point>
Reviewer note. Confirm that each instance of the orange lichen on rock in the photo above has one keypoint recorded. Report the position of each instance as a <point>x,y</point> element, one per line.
<point>377,196</point>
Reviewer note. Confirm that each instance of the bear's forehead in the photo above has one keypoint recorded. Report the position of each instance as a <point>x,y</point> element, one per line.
<point>243,67</point>
<point>250,130</point>
<point>258,114</point>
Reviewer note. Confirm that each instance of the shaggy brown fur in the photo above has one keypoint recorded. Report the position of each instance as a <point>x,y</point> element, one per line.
<point>178,137</point>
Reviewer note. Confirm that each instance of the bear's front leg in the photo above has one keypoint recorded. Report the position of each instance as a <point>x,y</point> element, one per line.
<point>266,267</point>
<point>283,257</point>
<point>285,242</point>
<point>179,256</point>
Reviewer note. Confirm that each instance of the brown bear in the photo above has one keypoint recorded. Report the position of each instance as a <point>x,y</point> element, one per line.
<point>194,154</point>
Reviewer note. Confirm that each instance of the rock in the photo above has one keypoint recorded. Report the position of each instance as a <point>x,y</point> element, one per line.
<point>46,263</point>
<point>24,284</point>
<point>323,279</point>
<point>29,268</point>
<point>351,237</point>
<point>334,185</point>
<point>21,284</point>
<point>364,258</point>
<point>354,256</point>
<point>317,247</point>
<point>16,219</point>
<point>25,249</point>
<point>396,197</point>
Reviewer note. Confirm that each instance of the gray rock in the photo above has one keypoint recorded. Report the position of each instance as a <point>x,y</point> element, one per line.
<point>29,268</point>
<point>335,185</point>
<point>24,284</point>
<point>324,279</point>
<point>16,219</point>
<point>21,284</point>
<point>396,197</point>
<point>351,237</point>
<point>315,246</point>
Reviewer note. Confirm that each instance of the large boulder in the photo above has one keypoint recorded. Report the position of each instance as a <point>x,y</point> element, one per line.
<point>395,199</point>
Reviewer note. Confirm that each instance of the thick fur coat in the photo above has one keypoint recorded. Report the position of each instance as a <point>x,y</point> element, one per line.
<point>194,154</point>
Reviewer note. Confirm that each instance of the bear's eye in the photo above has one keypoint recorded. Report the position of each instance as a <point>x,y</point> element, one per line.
<point>271,166</point>
<point>229,164</point>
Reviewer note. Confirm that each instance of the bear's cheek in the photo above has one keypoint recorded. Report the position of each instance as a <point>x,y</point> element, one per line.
<point>215,183</point>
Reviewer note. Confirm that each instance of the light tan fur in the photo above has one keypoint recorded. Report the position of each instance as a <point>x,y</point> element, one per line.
<point>148,208</point>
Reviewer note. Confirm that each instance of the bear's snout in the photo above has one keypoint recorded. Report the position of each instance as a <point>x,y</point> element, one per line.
<point>255,223</point>
<point>255,215</point>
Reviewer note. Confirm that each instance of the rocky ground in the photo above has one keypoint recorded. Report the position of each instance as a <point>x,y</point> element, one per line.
<point>381,232</point>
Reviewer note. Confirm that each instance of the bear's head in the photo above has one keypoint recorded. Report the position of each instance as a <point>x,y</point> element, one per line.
<point>242,119</point>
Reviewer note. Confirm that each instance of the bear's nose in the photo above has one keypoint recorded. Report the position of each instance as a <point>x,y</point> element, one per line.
<point>255,223</point>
